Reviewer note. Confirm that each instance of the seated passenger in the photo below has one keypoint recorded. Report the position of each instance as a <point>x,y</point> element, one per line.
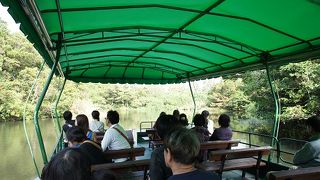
<point>176,114</point>
<point>115,137</point>
<point>183,119</point>
<point>201,131</point>
<point>224,132</point>
<point>67,116</point>
<point>309,154</point>
<point>158,168</point>
<point>181,149</point>
<point>83,122</point>
<point>96,125</point>
<point>68,164</point>
<point>77,138</point>
<point>209,123</point>
<point>202,134</point>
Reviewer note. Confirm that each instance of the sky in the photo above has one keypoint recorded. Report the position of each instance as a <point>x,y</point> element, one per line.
<point>5,16</point>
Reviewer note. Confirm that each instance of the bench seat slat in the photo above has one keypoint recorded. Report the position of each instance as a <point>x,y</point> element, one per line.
<point>233,164</point>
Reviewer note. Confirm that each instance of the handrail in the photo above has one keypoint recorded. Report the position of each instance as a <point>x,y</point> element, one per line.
<point>24,118</point>
<point>146,122</point>
<point>277,141</point>
<point>274,140</point>
<point>58,145</point>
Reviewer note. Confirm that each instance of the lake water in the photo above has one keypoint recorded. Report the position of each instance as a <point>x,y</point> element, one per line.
<point>15,158</point>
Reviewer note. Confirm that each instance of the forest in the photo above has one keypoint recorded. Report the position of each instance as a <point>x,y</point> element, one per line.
<point>245,96</point>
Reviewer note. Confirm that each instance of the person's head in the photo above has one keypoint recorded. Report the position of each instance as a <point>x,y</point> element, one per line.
<point>103,175</point>
<point>314,123</point>
<point>205,114</point>
<point>198,120</point>
<point>164,124</point>
<point>181,146</point>
<point>67,115</point>
<point>112,117</point>
<point>95,115</point>
<point>162,113</point>
<point>69,163</point>
<point>83,122</point>
<point>224,120</point>
<point>184,119</point>
<point>75,135</point>
<point>176,113</point>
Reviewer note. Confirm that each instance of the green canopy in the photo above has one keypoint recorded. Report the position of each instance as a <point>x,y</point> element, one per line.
<point>167,41</point>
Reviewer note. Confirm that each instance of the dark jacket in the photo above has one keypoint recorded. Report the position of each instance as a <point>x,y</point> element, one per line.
<point>158,168</point>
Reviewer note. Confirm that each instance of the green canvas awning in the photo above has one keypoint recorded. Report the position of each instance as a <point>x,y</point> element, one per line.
<point>168,41</point>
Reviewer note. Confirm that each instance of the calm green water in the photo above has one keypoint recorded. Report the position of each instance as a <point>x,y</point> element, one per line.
<point>15,158</point>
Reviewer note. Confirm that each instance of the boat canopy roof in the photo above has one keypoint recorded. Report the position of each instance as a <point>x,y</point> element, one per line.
<point>168,41</point>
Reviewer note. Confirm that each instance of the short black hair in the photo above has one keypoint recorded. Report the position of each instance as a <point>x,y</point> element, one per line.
<point>199,120</point>
<point>183,144</point>
<point>76,134</point>
<point>224,120</point>
<point>164,124</point>
<point>113,117</point>
<point>314,123</point>
<point>69,163</point>
<point>95,114</point>
<point>67,115</point>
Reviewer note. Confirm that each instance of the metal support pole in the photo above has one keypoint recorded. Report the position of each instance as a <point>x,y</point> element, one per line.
<point>25,115</point>
<point>275,129</point>
<point>40,100</point>
<point>56,105</point>
<point>194,102</point>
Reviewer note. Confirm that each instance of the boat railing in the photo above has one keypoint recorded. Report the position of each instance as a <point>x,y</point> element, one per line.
<point>143,125</point>
<point>278,142</point>
<point>59,145</point>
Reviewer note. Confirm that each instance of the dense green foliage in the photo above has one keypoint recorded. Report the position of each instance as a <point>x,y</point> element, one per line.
<point>247,97</point>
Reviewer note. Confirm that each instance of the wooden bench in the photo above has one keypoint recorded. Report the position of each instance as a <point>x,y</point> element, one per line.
<point>236,159</point>
<point>127,166</point>
<point>130,153</point>
<point>219,144</point>
<point>311,173</point>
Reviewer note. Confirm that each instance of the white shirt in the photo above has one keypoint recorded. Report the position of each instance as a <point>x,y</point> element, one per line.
<point>113,140</point>
<point>96,126</point>
<point>210,126</point>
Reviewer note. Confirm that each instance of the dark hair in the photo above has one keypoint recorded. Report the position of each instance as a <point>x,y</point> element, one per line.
<point>183,144</point>
<point>95,115</point>
<point>224,120</point>
<point>205,113</point>
<point>103,174</point>
<point>67,115</point>
<point>176,113</point>
<point>113,117</point>
<point>69,163</point>
<point>314,123</point>
<point>185,121</point>
<point>164,124</point>
<point>198,120</point>
<point>162,113</point>
<point>83,122</point>
<point>76,134</point>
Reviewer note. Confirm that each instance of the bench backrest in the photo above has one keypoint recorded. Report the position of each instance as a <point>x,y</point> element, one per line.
<point>218,144</point>
<point>240,153</point>
<point>130,153</point>
<point>136,165</point>
<point>311,173</point>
